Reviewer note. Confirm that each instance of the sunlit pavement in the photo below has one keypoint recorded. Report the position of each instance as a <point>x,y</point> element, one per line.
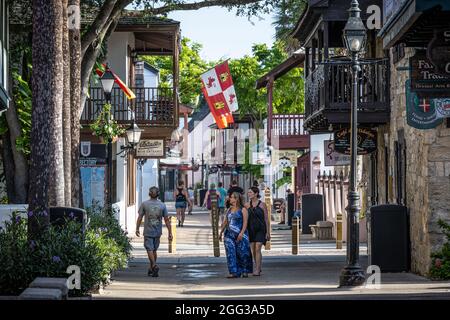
<point>194,273</point>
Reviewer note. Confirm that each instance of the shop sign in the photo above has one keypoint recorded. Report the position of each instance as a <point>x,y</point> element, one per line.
<point>92,154</point>
<point>421,113</point>
<point>367,141</point>
<point>439,52</point>
<point>425,81</point>
<point>285,158</point>
<point>151,148</point>
<point>333,158</point>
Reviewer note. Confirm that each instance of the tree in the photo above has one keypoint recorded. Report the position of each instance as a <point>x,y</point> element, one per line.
<point>287,92</point>
<point>51,87</point>
<point>46,131</point>
<point>287,14</point>
<point>191,67</point>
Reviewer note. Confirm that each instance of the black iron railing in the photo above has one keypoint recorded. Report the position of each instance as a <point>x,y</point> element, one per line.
<point>328,87</point>
<point>152,106</point>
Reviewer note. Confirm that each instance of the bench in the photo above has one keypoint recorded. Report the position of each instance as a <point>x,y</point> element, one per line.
<point>46,289</point>
<point>41,294</point>
<point>322,230</point>
<point>51,283</point>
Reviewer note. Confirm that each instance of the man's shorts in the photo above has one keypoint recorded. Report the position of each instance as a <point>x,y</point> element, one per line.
<point>180,204</point>
<point>151,243</point>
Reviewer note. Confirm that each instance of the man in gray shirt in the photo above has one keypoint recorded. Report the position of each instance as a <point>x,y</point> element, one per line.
<point>154,211</point>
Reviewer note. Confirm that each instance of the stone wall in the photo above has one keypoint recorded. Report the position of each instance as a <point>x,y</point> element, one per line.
<point>427,172</point>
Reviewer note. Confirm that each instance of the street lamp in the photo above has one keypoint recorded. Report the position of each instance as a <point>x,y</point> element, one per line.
<point>354,38</point>
<point>107,81</point>
<point>133,136</point>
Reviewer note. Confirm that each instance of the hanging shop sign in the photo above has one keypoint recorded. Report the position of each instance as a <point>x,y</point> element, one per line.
<point>425,81</point>
<point>367,141</point>
<point>332,157</point>
<point>92,154</point>
<point>151,148</point>
<point>285,158</point>
<point>421,113</point>
<point>438,52</point>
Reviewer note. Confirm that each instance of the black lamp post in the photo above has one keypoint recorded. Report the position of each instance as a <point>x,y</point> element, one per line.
<point>354,38</point>
<point>107,81</point>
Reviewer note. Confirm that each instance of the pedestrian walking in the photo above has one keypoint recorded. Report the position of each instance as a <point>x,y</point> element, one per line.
<point>191,200</point>
<point>181,202</point>
<point>154,211</point>
<point>233,188</point>
<point>258,227</point>
<point>235,238</point>
<point>223,195</point>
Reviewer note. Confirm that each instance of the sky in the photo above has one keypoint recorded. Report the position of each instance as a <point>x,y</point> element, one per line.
<point>223,34</point>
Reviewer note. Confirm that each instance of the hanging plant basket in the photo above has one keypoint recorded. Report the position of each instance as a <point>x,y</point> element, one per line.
<point>105,127</point>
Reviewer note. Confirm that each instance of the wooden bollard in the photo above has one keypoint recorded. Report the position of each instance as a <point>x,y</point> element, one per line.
<point>215,222</point>
<point>339,231</point>
<point>173,242</point>
<point>295,235</point>
<point>268,202</point>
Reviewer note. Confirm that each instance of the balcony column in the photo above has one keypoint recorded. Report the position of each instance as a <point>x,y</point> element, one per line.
<point>270,109</point>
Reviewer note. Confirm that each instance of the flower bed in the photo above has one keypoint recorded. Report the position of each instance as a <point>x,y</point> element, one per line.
<point>101,250</point>
<point>440,268</point>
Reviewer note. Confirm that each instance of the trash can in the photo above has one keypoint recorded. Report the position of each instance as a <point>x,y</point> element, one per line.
<point>59,216</point>
<point>312,211</point>
<point>388,238</point>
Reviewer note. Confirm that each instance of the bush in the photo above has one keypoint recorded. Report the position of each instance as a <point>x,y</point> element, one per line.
<point>103,220</point>
<point>440,268</point>
<point>96,253</point>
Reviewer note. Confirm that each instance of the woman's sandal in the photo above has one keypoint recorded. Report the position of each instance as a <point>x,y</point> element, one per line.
<point>232,276</point>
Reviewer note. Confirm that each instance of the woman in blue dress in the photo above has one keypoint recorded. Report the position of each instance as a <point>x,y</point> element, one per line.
<point>236,241</point>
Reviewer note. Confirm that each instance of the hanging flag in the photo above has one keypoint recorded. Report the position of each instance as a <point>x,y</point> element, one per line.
<point>101,69</point>
<point>219,118</point>
<point>218,89</point>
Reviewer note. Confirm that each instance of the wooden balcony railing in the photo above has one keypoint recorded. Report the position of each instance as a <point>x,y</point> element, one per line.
<point>329,88</point>
<point>154,107</point>
<point>287,125</point>
<point>286,131</point>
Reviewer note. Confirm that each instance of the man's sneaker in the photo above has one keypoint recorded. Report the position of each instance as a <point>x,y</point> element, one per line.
<point>150,272</point>
<point>155,271</point>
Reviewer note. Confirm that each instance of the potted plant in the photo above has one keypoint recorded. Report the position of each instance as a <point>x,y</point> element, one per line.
<point>105,127</point>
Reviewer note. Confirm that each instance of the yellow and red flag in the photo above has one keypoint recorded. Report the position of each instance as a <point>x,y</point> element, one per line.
<point>101,69</point>
<point>218,89</point>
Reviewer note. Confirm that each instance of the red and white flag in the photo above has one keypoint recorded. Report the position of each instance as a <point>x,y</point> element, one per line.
<point>219,92</point>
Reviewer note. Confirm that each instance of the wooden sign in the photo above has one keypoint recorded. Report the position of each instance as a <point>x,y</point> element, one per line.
<point>333,158</point>
<point>438,52</point>
<point>151,148</point>
<point>425,81</point>
<point>367,141</point>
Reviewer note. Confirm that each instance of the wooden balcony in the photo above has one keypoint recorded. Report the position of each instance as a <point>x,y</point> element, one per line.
<point>286,131</point>
<point>328,95</point>
<point>156,109</point>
